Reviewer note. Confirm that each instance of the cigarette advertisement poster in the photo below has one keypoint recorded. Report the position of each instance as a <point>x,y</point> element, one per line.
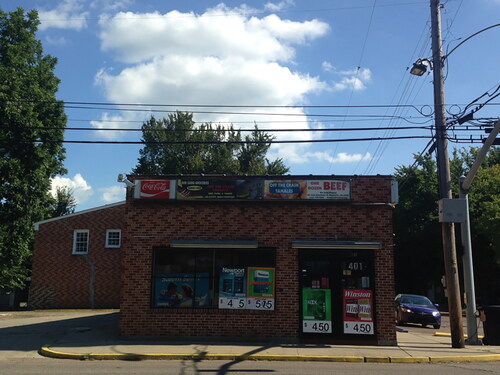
<point>260,282</point>
<point>358,316</point>
<point>182,290</point>
<point>307,189</point>
<point>316,310</point>
<point>260,288</point>
<point>249,288</point>
<point>232,288</point>
<point>219,189</point>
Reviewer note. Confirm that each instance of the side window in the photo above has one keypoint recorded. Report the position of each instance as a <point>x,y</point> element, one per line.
<point>113,238</point>
<point>81,241</point>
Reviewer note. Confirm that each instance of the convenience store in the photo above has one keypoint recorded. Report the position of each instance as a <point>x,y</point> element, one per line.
<point>260,258</point>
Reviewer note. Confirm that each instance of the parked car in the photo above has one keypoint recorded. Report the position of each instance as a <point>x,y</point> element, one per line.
<point>412,308</point>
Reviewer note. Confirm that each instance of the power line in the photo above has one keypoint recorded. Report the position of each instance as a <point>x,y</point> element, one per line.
<point>458,140</point>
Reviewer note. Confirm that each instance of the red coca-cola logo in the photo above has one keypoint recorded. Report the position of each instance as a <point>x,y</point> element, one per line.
<point>157,189</point>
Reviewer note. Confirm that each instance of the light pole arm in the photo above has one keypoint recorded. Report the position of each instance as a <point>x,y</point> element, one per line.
<point>467,182</point>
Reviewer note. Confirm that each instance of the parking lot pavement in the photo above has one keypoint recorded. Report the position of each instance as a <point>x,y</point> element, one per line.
<point>22,333</point>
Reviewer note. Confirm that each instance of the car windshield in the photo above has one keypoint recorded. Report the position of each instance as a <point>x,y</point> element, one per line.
<point>416,300</point>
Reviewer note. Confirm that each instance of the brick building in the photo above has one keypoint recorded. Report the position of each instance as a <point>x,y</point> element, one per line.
<point>295,258</point>
<point>77,260</point>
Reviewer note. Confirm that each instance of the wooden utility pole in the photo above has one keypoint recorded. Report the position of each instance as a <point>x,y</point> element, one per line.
<point>443,164</point>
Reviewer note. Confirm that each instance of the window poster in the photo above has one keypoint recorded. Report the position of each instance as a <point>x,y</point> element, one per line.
<point>260,288</point>
<point>358,317</point>
<point>242,288</point>
<point>182,290</point>
<point>232,288</point>
<point>316,310</point>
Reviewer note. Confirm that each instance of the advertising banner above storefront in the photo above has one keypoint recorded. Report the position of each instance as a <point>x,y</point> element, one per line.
<point>244,189</point>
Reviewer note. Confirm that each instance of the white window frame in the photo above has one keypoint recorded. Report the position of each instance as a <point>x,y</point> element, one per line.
<point>110,246</point>
<point>76,232</point>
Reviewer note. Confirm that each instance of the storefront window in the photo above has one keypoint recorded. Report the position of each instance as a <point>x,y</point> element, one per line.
<point>193,277</point>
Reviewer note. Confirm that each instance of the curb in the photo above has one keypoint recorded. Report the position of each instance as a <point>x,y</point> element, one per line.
<point>47,352</point>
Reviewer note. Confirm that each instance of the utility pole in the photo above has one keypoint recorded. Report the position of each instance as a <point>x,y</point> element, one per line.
<point>443,163</point>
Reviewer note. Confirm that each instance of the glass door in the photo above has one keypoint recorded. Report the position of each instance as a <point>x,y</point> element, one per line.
<point>336,289</point>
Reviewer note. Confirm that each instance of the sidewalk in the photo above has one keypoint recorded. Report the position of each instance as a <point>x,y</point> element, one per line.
<point>102,342</point>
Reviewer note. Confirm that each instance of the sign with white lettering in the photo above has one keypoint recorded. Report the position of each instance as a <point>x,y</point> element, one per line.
<point>154,189</point>
<point>358,318</point>
<point>307,189</point>
<point>243,189</point>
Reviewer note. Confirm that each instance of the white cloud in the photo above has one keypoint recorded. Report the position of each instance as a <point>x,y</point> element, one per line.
<point>219,32</point>
<point>276,7</point>
<point>67,15</point>
<point>111,5</point>
<point>81,190</point>
<point>340,158</point>
<point>56,41</point>
<point>327,66</point>
<point>353,80</point>
<point>222,56</point>
<point>112,194</point>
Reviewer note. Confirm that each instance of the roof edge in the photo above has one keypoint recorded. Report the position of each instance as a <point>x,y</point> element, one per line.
<point>38,223</point>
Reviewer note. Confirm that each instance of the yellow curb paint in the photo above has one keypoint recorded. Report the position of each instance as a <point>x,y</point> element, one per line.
<point>410,359</point>
<point>444,334</point>
<point>47,352</point>
<point>377,359</point>
<point>467,358</point>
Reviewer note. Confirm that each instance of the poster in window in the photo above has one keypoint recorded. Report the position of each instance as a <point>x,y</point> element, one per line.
<point>182,290</point>
<point>260,288</point>
<point>316,310</point>
<point>358,317</point>
<point>232,288</point>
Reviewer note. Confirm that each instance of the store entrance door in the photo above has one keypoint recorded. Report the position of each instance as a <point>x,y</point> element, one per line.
<point>337,295</point>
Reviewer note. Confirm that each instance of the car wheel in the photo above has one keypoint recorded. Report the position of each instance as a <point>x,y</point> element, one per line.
<point>436,326</point>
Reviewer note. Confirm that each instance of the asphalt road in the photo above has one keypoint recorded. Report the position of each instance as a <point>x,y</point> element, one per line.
<point>23,333</point>
<point>47,366</point>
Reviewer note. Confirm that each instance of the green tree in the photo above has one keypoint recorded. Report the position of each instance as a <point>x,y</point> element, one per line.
<point>31,151</point>
<point>418,249</point>
<point>63,203</point>
<point>202,149</point>
<point>418,243</point>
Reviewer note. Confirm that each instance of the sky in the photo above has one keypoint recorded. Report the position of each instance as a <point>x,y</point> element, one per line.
<point>332,73</point>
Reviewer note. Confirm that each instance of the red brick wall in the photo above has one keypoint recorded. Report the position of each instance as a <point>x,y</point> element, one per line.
<point>272,224</point>
<point>61,279</point>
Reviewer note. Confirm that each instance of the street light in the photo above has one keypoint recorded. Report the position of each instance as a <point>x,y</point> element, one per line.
<point>419,68</point>
<point>443,166</point>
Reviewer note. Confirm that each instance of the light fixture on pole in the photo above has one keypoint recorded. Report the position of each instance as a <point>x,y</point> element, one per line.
<point>443,167</point>
<point>420,67</point>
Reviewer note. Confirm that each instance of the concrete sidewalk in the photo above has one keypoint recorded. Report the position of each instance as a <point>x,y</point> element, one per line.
<point>94,335</point>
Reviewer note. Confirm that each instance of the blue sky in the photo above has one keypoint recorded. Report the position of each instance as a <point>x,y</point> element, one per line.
<point>292,54</point>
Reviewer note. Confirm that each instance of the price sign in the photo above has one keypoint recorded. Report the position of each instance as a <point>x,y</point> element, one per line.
<point>260,304</point>
<point>317,327</point>
<point>358,328</point>
<point>232,303</point>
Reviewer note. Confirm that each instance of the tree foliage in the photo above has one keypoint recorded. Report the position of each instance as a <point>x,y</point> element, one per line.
<point>193,153</point>
<point>63,203</point>
<point>28,107</point>
<point>418,242</point>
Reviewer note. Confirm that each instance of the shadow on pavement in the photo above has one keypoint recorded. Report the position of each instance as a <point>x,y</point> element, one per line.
<point>30,337</point>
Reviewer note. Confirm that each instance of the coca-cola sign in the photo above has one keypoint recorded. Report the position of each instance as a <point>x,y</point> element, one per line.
<point>155,189</point>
